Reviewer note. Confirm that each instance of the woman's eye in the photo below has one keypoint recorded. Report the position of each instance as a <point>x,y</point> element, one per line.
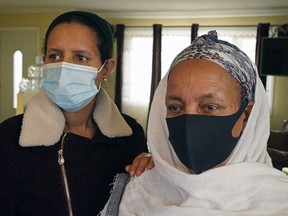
<point>81,58</point>
<point>54,57</point>
<point>209,108</point>
<point>174,108</point>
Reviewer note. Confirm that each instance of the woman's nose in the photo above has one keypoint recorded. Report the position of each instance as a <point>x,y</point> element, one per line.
<point>191,110</point>
<point>67,58</point>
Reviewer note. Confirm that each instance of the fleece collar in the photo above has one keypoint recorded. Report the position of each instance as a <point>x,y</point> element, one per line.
<point>43,121</point>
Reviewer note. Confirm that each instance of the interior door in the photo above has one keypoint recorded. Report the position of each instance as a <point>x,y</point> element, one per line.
<point>11,40</point>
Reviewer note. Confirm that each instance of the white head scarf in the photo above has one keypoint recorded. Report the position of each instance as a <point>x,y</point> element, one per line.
<point>237,64</point>
<point>246,185</point>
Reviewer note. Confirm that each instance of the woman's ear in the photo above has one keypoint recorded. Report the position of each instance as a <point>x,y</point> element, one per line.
<point>104,74</point>
<point>110,63</point>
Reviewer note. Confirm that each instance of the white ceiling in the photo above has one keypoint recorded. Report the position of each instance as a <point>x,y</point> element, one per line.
<point>153,8</point>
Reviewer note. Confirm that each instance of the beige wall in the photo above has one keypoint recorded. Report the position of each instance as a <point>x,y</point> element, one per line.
<point>42,20</point>
<point>280,103</point>
<point>273,20</point>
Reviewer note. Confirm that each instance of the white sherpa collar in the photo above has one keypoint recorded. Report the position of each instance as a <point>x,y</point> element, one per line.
<point>43,121</point>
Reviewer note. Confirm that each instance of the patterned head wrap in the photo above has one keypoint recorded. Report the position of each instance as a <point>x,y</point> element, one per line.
<point>227,55</point>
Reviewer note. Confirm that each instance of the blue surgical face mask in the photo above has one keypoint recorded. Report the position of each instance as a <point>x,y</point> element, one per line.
<point>70,86</point>
<point>202,141</point>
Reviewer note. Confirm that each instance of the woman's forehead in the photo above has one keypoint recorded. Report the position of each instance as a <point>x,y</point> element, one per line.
<point>71,30</point>
<point>199,69</point>
<point>73,35</point>
<point>199,78</point>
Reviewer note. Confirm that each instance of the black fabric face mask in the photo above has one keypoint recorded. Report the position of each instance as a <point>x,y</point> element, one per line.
<point>202,141</point>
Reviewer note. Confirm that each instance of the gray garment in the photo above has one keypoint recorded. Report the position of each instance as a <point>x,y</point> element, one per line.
<point>120,183</point>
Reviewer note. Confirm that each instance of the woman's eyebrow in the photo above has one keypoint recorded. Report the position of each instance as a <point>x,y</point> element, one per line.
<point>173,97</point>
<point>53,50</point>
<point>80,50</point>
<point>211,96</point>
<point>208,96</point>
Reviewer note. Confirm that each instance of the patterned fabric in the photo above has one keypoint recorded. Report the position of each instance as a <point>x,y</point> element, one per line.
<point>227,55</point>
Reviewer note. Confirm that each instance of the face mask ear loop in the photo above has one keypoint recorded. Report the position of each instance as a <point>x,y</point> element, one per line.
<point>100,84</point>
<point>102,66</point>
<point>99,72</point>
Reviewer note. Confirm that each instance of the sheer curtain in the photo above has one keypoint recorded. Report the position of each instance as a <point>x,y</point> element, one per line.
<point>137,65</point>
<point>137,60</point>
<point>174,40</point>
<point>243,37</point>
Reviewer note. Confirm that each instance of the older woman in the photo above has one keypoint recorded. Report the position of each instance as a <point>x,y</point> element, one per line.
<point>60,157</point>
<point>208,129</point>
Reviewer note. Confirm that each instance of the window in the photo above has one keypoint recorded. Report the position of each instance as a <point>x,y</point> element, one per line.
<point>17,74</point>
<point>242,37</point>
<point>174,40</point>
<point>137,65</point>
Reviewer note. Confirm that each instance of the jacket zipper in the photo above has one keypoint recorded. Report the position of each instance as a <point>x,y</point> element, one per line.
<point>61,162</point>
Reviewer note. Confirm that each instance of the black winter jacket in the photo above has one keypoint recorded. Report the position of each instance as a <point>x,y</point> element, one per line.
<point>32,181</point>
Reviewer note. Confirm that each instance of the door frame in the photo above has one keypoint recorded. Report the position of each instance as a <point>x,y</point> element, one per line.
<point>16,29</point>
<point>28,28</point>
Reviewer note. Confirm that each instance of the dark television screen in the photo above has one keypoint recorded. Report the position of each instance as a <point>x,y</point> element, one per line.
<point>274,56</point>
